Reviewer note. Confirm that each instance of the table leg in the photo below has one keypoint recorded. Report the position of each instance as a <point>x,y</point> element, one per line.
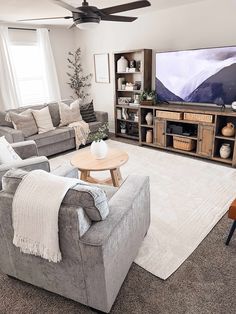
<point>119,174</point>
<point>84,174</point>
<point>115,177</point>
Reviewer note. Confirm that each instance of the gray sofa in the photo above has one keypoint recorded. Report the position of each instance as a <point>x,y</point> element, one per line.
<point>31,160</point>
<point>53,142</point>
<point>94,264</point>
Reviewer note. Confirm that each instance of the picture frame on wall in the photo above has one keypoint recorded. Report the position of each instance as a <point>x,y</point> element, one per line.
<point>102,68</point>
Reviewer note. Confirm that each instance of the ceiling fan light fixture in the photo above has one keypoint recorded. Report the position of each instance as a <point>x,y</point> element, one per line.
<point>87,25</point>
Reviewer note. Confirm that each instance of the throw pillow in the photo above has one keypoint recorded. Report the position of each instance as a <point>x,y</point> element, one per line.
<point>23,121</point>
<point>87,112</point>
<point>7,153</point>
<point>43,120</point>
<point>71,113</point>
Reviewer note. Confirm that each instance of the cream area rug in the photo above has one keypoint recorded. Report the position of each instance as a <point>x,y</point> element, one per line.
<point>188,197</point>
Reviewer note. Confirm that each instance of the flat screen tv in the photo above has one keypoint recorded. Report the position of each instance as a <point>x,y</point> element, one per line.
<point>205,76</point>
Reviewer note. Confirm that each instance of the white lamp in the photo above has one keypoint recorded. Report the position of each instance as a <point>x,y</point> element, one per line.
<point>87,25</point>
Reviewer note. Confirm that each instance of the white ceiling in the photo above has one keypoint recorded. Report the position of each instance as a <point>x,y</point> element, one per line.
<point>14,10</point>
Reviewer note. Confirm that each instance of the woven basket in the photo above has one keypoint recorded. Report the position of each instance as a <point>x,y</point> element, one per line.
<point>169,115</point>
<point>184,143</point>
<point>198,117</point>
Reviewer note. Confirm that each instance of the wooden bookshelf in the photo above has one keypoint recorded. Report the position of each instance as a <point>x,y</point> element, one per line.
<point>144,76</point>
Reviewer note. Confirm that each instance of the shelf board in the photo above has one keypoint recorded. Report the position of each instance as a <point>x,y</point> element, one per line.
<point>147,126</point>
<point>130,121</point>
<point>130,91</point>
<point>132,137</point>
<point>171,148</point>
<point>149,144</point>
<point>136,72</point>
<point>227,161</point>
<point>184,136</point>
<point>225,137</point>
<point>127,106</point>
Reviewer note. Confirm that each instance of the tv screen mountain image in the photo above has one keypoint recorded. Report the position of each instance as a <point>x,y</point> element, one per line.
<point>197,76</point>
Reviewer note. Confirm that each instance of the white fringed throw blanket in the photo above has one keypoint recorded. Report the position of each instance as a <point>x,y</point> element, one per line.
<point>81,132</point>
<point>35,208</point>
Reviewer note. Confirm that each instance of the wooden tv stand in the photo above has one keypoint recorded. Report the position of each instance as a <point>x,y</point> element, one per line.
<point>207,135</point>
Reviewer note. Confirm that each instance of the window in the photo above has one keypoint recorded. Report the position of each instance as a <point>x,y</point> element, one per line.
<point>34,82</point>
<point>28,68</point>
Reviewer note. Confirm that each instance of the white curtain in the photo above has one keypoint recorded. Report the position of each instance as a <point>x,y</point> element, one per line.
<point>8,84</point>
<point>50,72</point>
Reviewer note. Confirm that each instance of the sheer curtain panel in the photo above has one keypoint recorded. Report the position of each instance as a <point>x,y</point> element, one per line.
<point>49,67</point>
<point>8,84</point>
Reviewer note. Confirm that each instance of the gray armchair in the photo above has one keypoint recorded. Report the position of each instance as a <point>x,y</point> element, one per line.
<point>28,151</point>
<point>96,261</point>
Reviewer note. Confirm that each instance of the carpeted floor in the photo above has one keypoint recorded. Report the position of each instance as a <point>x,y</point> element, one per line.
<point>204,284</point>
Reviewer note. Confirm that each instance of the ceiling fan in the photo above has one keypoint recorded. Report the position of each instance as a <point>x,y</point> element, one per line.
<point>87,17</point>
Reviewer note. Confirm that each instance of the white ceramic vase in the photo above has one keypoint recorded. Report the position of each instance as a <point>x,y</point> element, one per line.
<point>149,118</point>
<point>122,64</point>
<point>99,149</point>
<point>225,151</point>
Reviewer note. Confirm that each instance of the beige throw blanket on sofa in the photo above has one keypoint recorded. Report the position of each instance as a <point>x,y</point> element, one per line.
<point>81,132</point>
<point>36,205</point>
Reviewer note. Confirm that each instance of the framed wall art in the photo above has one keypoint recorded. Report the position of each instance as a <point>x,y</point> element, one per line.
<point>102,68</point>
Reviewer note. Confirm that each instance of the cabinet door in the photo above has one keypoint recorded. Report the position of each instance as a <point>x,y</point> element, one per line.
<point>205,140</point>
<point>160,137</point>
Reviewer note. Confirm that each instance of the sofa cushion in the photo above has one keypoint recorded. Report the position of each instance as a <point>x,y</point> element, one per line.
<point>7,153</point>
<point>87,112</point>
<point>94,126</point>
<point>51,137</point>
<point>71,113</point>
<point>43,120</point>
<point>90,197</point>
<point>23,122</point>
<point>54,112</point>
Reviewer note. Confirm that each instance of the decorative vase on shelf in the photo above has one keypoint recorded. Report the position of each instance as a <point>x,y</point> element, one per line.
<point>121,81</point>
<point>149,118</point>
<point>228,130</point>
<point>122,64</point>
<point>99,149</point>
<point>225,151</point>
<point>149,136</point>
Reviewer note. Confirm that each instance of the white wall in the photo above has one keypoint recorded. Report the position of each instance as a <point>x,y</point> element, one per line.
<point>209,23</point>
<point>62,41</point>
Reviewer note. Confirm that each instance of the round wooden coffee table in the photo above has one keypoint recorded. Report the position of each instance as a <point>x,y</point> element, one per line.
<point>86,163</point>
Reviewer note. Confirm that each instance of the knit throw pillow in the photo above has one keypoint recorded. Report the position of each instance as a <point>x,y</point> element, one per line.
<point>71,113</point>
<point>7,153</point>
<point>87,112</point>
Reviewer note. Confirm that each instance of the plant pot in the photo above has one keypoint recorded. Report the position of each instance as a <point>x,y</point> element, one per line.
<point>123,131</point>
<point>99,149</point>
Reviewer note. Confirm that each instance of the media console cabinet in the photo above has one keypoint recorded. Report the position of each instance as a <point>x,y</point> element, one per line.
<point>201,125</point>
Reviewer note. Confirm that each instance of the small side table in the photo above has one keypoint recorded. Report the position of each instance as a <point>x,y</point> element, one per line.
<point>87,163</point>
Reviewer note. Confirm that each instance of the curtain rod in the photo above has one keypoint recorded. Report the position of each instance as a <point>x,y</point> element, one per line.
<point>24,29</point>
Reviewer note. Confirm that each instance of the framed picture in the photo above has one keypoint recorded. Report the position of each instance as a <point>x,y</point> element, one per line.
<point>102,69</point>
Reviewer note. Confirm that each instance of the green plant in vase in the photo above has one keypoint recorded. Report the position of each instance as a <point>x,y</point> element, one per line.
<point>98,147</point>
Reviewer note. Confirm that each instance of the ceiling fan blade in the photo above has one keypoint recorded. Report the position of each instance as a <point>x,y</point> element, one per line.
<point>126,7</point>
<point>66,6</point>
<point>47,18</point>
<point>117,18</point>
